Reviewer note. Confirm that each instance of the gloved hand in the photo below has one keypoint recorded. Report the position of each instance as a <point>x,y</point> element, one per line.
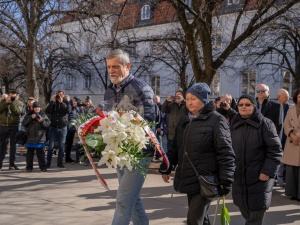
<point>224,190</point>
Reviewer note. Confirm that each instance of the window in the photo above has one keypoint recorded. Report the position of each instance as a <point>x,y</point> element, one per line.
<point>288,82</point>
<point>216,38</point>
<point>70,82</point>
<point>188,2</point>
<point>145,12</point>
<point>215,85</point>
<point>248,82</point>
<point>157,48</point>
<point>155,84</point>
<point>87,81</point>
<point>233,2</point>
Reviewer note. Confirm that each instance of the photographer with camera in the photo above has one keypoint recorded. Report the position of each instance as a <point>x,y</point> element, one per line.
<point>10,110</point>
<point>226,106</point>
<point>175,107</point>
<point>36,123</point>
<point>57,110</point>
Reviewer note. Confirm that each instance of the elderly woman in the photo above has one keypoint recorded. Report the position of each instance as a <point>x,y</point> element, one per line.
<point>291,155</point>
<point>202,138</point>
<point>258,153</point>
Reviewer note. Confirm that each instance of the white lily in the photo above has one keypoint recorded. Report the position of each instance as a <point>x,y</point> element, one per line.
<point>109,158</point>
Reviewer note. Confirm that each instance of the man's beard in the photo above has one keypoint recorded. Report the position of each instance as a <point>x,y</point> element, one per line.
<point>116,81</point>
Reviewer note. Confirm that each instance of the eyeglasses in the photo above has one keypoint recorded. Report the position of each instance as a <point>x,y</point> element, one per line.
<point>259,91</point>
<point>246,104</point>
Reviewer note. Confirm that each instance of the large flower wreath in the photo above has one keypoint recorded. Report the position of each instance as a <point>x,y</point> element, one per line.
<point>119,138</point>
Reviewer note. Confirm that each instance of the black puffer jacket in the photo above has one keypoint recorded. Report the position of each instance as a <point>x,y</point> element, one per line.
<point>58,112</point>
<point>207,141</point>
<point>258,150</point>
<point>35,130</point>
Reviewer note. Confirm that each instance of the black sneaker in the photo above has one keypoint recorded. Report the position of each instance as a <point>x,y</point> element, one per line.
<point>13,167</point>
<point>44,170</point>
<point>60,165</point>
<point>28,170</point>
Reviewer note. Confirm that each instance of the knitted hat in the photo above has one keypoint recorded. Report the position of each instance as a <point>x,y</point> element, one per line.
<point>180,90</point>
<point>36,104</point>
<point>201,91</point>
<point>250,97</point>
<point>31,98</point>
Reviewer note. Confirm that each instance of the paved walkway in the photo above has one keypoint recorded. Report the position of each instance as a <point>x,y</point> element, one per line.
<point>74,196</point>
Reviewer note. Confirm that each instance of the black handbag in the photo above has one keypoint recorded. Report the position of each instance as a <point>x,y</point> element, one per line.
<point>20,137</point>
<point>209,184</point>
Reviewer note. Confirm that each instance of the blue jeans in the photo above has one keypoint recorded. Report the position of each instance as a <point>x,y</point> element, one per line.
<point>59,135</point>
<point>5,133</point>
<point>129,204</point>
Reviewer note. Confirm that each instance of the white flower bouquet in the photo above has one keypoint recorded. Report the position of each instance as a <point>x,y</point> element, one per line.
<point>118,137</point>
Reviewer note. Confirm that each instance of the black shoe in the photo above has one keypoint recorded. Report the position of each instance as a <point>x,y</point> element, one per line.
<point>44,170</point>
<point>48,165</point>
<point>69,160</point>
<point>294,198</point>
<point>28,170</point>
<point>60,165</point>
<point>13,167</point>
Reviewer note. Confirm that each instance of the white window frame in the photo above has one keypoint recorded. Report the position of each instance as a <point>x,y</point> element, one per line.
<point>155,84</point>
<point>217,38</point>
<point>233,2</point>
<point>215,85</point>
<point>87,81</point>
<point>145,12</point>
<point>69,82</point>
<point>250,85</point>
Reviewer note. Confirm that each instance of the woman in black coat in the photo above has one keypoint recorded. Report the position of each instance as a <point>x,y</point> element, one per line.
<point>36,123</point>
<point>204,136</point>
<point>258,153</point>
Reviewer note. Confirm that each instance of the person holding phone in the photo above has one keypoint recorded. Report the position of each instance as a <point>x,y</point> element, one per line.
<point>175,107</point>
<point>36,123</point>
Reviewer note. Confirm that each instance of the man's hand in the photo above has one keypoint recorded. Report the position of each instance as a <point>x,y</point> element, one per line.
<point>170,98</point>
<point>263,177</point>
<point>166,178</point>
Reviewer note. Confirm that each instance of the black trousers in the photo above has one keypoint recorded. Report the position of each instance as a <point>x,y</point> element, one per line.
<point>197,212</point>
<point>5,133</point>
<point>253,217</point>
<point>69,143</point>
<point>40,155</point>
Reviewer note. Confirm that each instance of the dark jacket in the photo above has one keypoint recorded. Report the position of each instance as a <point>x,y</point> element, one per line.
<point>258,150</point>
<point>35,130</point>
<point>207,141</point>
<point>58,113</point>
<point>274,111</point>
<point>10,113</point>
<point>135,94</point>
<point>175,112</point>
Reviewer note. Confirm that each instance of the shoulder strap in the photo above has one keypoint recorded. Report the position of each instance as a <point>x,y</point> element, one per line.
<point>197,174</point>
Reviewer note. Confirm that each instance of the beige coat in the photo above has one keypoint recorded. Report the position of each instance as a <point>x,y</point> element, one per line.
<point>291,154</point>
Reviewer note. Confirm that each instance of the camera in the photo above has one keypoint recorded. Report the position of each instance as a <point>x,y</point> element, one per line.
<point>57,97</point>
<point>222,104</point>
<point>37,116</point>
<point>13,98</point>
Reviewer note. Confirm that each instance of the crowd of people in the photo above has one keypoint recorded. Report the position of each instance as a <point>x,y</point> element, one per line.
<point>241,141</point>
<point>50,126</point>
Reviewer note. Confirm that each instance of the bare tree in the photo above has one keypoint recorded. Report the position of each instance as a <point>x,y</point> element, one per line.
<point>200,17</point>
<point>283,46</point>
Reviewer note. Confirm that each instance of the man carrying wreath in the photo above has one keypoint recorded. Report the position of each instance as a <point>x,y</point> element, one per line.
<point>129,93</point>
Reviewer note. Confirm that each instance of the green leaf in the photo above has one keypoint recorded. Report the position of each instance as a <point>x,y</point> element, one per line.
<point>93,140</point>
<point>225,217</point>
